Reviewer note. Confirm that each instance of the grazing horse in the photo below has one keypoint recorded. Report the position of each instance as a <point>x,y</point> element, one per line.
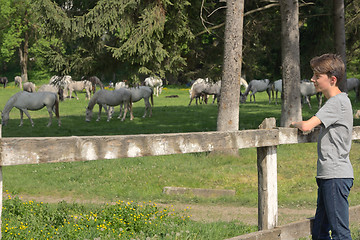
<point>105,98</point>
<point>18,81</point>
<point>213,89</point>
<point>25,101</point>
<point>196,90</point>
<point>155,83</point>
<point>4,81</point>
<point>78,86</point>
<point>353,84</point>
<point>254,87</point>
<point>244,83</point>
<point>54,89</point>
<point>94,81</point>
<point>138,93</point>
<point>29,87</point>
<point>307,89</point>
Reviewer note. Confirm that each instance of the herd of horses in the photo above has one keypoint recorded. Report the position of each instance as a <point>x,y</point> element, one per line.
<point>61,87</point>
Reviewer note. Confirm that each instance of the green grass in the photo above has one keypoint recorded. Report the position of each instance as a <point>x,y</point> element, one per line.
<point>142,179</point>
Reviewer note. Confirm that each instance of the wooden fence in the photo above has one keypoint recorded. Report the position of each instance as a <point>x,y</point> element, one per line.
<point>16,151</point>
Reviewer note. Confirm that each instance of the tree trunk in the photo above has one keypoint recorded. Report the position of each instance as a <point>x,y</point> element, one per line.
<point>23,52</point>
<point>228,114</point>
<point>339,32</point>
<point>291,103</point>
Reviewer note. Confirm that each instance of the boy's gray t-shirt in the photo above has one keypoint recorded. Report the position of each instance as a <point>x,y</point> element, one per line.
<point>335,137</point>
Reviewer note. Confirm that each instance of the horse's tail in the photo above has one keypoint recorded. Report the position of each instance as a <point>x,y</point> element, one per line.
<point>152,97</point>
<point>57,107</point>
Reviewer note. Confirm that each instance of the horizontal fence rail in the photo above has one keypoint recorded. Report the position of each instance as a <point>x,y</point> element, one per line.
<point>30,150</point>
<point>17,151</point>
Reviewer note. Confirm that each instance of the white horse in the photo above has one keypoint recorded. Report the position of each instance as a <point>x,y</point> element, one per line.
<point>196,90</point>
<point>138,93</point>
<point>78,86</point>
<point>61,82</point>
<point>244,83</point>
<point>25,101</point>
<point>29,87</point>
<point>52,88</point>
<point>307,89</point>
<point>105,98</point>
<point>155,83</point>
<point>254,87</point>
<point>276,87</point>
<point>353,84</point>
<point>119,85</point>
<point>18,81</point>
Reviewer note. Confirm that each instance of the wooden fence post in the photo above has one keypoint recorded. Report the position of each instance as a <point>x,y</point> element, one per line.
<point>267,182</point>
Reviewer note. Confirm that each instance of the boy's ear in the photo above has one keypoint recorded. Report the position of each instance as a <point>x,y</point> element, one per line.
<point>333,80</point>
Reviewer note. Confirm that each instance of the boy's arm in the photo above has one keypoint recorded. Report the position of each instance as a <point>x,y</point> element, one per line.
<point>308,125</point>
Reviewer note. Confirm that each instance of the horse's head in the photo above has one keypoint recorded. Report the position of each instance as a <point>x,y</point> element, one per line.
<point>4,118</point>
<point>242,97</point>
<point>88,114</point>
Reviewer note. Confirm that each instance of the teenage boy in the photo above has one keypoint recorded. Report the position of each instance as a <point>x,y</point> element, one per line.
<point>334,170</point>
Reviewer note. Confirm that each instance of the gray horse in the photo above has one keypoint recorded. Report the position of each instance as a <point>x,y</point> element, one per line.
<point>307,89</point>
<point>78,86</point>
<point>254,87</point>
<point>138,93</point>
<point>105,98</point>
<point>25,101</point>
<point>354,84</point>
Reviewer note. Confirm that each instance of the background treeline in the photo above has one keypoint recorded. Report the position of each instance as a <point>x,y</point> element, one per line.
<point>179,40</point>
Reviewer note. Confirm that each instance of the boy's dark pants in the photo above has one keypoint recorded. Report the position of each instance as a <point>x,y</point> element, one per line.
<point>332,212</point>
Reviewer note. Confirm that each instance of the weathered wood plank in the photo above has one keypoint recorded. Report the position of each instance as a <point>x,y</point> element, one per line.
<point>16,151</point>
<point>60,149</point>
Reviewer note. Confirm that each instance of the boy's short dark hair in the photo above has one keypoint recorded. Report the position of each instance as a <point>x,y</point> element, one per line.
<point>329,64</point>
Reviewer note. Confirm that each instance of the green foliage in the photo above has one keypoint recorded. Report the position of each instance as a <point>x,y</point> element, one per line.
<point>147,36</point>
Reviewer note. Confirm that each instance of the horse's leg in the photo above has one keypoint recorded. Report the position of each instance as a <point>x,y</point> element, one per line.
<point>98,119</point>
<point>50,115</point>
<point>252,95</point>
<point>268,92</point>
<point>121,110</point>
<point>276,98</point>
<point>147,106</point>
<point>319,98</point>
<point>131,112</point>
<point>21,117</point>
<point>190,101</point>
<point>308,99</point>
<point>108,113</point>
<point>28,115</point>
<point>126,106</point>
<point>76,95</point>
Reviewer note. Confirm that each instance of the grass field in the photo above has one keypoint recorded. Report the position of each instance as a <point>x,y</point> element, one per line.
<point>142,179</point>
